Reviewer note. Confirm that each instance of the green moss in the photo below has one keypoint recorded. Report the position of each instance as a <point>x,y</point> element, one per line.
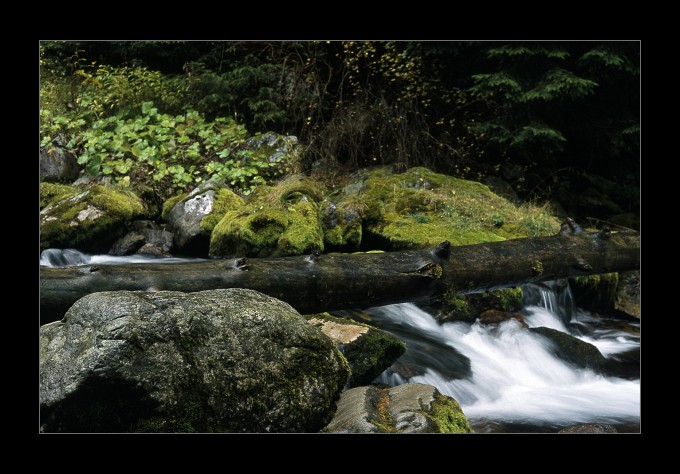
<point>270,226</point>
<point>447,415</point>
<point>595,292</point>
<point>170,203</point>
<point>90,219</point>
<point>50,192</point>
<point>224,201</point>
<point>468,307</point>
<point>421,208</point>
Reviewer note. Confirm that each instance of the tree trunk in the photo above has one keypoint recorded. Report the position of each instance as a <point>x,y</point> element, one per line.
<point>327,282</point>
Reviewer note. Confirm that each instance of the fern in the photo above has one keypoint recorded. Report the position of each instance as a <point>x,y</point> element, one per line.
<point>495,85</point>
<point>559,83</point>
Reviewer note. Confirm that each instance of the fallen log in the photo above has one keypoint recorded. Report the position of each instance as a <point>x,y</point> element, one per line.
<point>326,282</point>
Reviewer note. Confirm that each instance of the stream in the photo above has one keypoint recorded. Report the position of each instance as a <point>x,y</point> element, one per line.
<point>506,378</point>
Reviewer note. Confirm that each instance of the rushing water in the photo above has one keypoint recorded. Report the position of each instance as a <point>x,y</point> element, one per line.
<point>72,257</point>
<point>506,378</point>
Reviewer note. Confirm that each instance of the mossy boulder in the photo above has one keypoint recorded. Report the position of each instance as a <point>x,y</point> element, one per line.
<point>342,226</point>
<point>419,208</point>
<point>457,307</point>
<point>275,222</point>
<point>408,408</point>
<point>213,361</point>
<point>89,218</point>
<point>573,350</point>
<point>368,350</point>
<point>595,292</point>
<point>191,217</point>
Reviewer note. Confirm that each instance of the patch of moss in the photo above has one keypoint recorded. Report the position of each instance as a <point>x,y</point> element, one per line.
<point>90,219</point>
<point>595,292</point>
<point>421,208</point>
<point>468,307</point>
<point>223,201</point>
<point>447,415</point>
<point>264,227</point>
<point>51,191</point>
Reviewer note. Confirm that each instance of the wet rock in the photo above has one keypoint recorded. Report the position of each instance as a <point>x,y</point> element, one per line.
<point>595,292</point>
<point>495,317</point>
<point>368,350</point>
<point>573,350</point>
<point>590,428</point>
<point>408,408</point>
<point>128,244</point>
<point>213,361</point>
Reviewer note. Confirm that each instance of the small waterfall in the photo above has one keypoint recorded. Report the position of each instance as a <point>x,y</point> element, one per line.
<point>63,258</point>
<point>508,376</point>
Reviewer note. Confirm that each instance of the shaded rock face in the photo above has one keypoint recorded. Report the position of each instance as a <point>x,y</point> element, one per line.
<point>591,428</point>
<point>214,361</point>
<point>145,237</point>
<point>408,408</point>
<point>595,292</point>
<point>89,219</point>
<point>192,217</point>
<point>58,165</point>
<point>369,351</point>
<point>627,298</point>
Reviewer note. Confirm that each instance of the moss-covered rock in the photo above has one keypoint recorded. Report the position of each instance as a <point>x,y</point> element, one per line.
<point>368,350</point>
<point>573,350</point>
<point>595,292</point>
<point>213,361</point>
<point>192,217</point>
<point>89,218</point>
<point>342,226</point>
<point>278,222</point>
<point>407,408</point>
<point>457,307</point>
<point>421,208</point>
<point>51,191</point>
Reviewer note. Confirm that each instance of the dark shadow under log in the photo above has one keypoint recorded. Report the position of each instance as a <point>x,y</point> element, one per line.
<point>327,282</point>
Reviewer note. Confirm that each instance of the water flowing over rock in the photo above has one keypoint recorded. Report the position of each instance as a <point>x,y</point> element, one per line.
<point>408,408</point>
<point>58,165</point>
<point>89,218</point>
<point>213,361</point>
<point>368,350</point>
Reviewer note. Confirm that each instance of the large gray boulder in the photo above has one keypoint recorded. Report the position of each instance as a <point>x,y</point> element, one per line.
<point>214,361</point>
<point>408,408</point>
<point>58,165</point>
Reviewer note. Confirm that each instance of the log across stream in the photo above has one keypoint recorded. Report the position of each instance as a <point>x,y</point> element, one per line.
<point>324,282</point>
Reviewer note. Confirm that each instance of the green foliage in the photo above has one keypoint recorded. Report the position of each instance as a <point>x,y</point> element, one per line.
<point>172,152</point>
